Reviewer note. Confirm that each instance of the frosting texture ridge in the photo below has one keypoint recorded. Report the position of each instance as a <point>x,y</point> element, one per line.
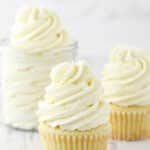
<point>74,99</point>
<point>127,77</point>
<point>37,30</point>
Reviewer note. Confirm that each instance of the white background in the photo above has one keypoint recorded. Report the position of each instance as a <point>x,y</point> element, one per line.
<point>99,25</point>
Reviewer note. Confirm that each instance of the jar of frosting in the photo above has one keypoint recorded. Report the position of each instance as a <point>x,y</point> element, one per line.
<point>38,42</point>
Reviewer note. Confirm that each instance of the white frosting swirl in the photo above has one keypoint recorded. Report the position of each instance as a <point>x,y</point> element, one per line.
<point>127,78</point>
<point>24,80</point>
<point>74,99</point>
<point>38,30</point>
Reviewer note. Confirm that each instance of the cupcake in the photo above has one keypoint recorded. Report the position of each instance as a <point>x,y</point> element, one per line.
<point>127,88</point>
<point>38,42</point>
<point>74,114</point>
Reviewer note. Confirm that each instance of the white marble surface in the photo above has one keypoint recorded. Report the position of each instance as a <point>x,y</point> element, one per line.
<point>98,25</point>
<point>19,140</point>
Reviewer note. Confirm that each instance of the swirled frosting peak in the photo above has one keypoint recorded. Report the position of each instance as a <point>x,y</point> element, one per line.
<point>74,99</point>
<point>127,77</point>
<point>37,30</point>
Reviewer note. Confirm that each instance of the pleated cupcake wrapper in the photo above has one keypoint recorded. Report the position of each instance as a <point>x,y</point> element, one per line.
<point>130,126</point>
<point>55,141</point>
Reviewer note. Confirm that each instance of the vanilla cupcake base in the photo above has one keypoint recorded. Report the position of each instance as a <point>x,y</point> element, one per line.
<point>130,123</point>
<point>57,139</point>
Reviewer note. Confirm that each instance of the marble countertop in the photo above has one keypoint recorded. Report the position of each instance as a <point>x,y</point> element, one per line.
<point>20,140</point>
<point>104,39</point>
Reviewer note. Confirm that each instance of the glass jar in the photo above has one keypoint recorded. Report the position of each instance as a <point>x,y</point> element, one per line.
<point>24,78</point>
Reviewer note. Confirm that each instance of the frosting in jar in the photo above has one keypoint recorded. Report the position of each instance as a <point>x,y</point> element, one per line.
<point>38,43</point>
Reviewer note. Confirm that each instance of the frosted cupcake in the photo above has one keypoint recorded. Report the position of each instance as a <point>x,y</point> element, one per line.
<point>74,115</point>
<point>127,89</point>
<point>38,42</point>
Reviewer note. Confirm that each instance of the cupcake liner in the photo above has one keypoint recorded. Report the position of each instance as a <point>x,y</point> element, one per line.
<point>130,123</point>
<point>57,139</point>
